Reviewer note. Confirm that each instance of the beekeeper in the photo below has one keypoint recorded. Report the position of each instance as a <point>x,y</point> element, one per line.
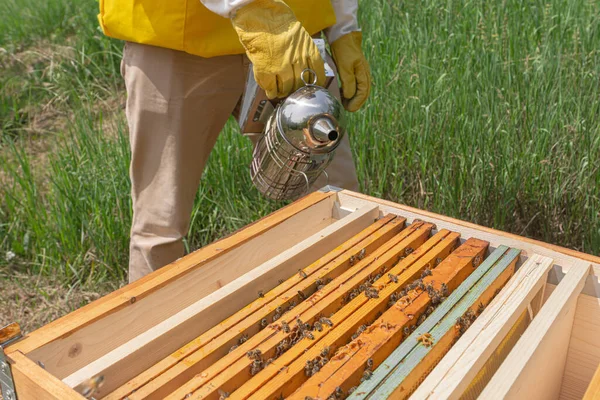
<point>184,69</point>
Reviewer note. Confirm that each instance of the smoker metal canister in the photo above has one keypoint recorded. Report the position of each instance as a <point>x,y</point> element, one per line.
<point>298,143</point>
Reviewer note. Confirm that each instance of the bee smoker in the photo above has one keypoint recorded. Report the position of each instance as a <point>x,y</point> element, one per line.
<point>298,142</point>
<point>297,136</point>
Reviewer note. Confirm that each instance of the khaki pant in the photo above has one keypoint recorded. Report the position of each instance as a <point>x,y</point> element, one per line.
<point>177,105</point>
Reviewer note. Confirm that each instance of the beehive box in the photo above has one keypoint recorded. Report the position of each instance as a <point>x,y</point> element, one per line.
<point>336,295</point>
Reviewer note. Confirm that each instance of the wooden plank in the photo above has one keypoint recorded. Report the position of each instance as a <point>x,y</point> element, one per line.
<point>368,387</point>
<point>534,368</point>
<point>583,357</point>
<point>84,335</point>
<point>346,368</point>
<point>289,369</point>
<point>216,342</point>
<point>593,390</point>
<point>349,199</point>
<point>133,357</point>
<point>32,382</point>
<point>323,302</point>
<point>9,332</point>
<point>403,381</point>
<point>451,377</point>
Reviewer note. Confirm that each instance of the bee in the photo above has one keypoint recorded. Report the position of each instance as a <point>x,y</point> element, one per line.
<point>339,393</point>
<point>352,390</point>
<point>393,300</point>
<point>223,395</point>
<point>421,319</point>
<point>318,282</point>
<point>302,274</point>
<point>316,368</point>
<point>276,316</point>
<point>281,281</point>
<point>91,386</point>
<point>235,346</point>
<point>324,361</point>
<point>261,294</point>
<point>435,298</point>
<point>326,321</point>
<point>359,331</point>
<point>254,354</point>
<point>243,339</point>
<point>308,398</point>
<point>406,331</point>
<point>269,361</point>
<point>285,326</point>
<point>351,260</point>
<point>393,278</point>
<point>281,348</point>
<point>438,261</point>
<point>301,295</point>
<point>318,326</point>
<point>308,368</point>
<point>372,293</point>
<point>421,285</point>
<point>444,290</point>
<point>370,363</point>
<point>408,250</point>
<point>325,351</point>
<point>476,261</point>
<point>300,324</point>
<point>362,254</point>
<point>429,310</point>
<point>263,323</point>
<point>426,272</point>
<point>256,367</point>
<point>480,308</point>
<point>366,375</point>
<point>292,305</point>
<point>308,334</point>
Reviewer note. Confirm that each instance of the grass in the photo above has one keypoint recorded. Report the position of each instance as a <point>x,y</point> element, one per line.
<point>486,111</point>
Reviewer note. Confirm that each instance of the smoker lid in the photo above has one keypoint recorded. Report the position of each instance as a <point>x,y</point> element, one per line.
<point>311,119</point>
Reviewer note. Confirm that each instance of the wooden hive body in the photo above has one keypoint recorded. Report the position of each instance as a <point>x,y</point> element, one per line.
<point>184,329</point>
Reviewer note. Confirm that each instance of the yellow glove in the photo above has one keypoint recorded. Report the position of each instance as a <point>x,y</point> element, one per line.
<point>353,70</point>
<point>277,45</point>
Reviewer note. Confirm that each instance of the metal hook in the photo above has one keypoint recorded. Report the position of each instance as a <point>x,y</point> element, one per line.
<point>310,72</point>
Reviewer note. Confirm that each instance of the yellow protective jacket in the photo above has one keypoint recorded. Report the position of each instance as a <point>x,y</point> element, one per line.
<point>189,26</point>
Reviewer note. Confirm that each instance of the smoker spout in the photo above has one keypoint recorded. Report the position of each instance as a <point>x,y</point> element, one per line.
<point>324,130</point>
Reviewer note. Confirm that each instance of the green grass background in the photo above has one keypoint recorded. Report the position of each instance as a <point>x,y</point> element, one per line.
<point>486,111</point>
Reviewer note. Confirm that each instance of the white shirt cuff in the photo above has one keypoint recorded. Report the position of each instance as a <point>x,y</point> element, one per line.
<point>224,7</point>
<point>346,16</point>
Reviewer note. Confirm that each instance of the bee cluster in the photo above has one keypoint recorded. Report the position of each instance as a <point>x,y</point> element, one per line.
<point>257,361</point>
<point>464,322</point>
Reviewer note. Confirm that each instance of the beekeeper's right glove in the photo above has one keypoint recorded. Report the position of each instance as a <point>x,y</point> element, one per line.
<point>277,45</point>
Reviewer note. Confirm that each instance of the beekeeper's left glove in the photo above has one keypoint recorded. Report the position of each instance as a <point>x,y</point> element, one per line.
<point>353,70</point>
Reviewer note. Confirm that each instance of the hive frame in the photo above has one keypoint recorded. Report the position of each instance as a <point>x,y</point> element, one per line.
<point>84,336</point>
